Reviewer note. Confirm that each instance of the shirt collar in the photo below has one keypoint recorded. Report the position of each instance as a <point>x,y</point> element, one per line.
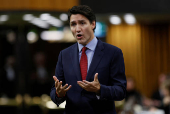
<point>91,45</point>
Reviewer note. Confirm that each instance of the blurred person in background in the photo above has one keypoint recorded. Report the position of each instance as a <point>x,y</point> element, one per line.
<point>157,96</point>
<point>8,78</point>
<point>156,99</point>
<point>39,79</point>
<point>133,97</point>
<point>165,88</point>
<point>92,87</point>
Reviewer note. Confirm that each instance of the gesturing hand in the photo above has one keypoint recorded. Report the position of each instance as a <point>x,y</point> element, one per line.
<point>91,86</point>
<point>60,90</point>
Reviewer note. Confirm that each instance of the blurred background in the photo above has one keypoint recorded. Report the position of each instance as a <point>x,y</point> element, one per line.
<point>33,32</point>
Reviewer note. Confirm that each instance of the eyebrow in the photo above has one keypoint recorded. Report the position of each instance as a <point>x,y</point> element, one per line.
<point>78,21</point>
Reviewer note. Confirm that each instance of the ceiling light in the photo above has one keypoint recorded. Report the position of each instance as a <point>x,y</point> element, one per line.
<point>4,18</point>
<point>130,19</point>
<point>45,16</point>
<point>28,17</point>
<point>40,23</point>
<point>52,35</point>
<point>32,37</point>
<point>64,17</point>
<point>114,19</point>
<point>55,22</point>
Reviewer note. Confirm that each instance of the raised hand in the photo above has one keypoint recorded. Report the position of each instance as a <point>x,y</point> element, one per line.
<point>91,86</point>
<point>60,90</point>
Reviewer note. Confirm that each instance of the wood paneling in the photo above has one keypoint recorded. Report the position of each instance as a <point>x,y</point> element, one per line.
<point>155,53</point>
<point>128,39</point>
<point>54,5</point>
<point>146,52</point>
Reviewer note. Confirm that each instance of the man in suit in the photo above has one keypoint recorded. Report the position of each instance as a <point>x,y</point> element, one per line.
<point>90,74</point>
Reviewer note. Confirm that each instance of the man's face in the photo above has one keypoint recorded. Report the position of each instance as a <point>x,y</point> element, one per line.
<point>81,28</point>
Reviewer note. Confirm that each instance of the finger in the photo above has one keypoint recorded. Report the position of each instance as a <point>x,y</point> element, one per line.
<point>68,88</point>
<point>55,78</point>
<point>59,84</point>
<point>56,83</point>
<point>65,86</point>
<point>86,82</point>
<point>82,84</point>
<point>96,77</point>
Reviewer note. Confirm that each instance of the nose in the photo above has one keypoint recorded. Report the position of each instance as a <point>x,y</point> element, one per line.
<point>78,28</point>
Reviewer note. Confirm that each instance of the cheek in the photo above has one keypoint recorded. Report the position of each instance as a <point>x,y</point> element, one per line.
<point>72,30</point>
<point>87,30</point>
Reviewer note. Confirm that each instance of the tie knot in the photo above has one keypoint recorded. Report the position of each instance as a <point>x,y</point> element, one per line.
<point>84,49</point>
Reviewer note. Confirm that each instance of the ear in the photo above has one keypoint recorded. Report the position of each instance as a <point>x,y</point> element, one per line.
<point>93,24</point>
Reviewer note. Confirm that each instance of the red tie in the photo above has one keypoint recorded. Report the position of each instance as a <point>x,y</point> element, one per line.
<point>83,64</point>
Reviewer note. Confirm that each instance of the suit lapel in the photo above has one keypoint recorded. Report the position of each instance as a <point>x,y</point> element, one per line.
<point>98,54</point>
<point>75,61</point>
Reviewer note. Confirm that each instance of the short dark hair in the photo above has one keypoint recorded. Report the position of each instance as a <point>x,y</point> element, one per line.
<point>83,10</point>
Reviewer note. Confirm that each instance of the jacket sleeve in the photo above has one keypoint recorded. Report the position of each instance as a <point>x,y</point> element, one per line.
<point>117,89</point>
<point>60,76</point>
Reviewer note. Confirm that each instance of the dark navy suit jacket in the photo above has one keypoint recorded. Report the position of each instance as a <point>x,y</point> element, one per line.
<point>108,62</point>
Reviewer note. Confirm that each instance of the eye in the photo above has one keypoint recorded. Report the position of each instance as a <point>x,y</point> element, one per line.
<point>82,23</point>
<point>73,24</point>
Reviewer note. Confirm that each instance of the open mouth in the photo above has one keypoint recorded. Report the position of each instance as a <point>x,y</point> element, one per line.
<point>79,36</point>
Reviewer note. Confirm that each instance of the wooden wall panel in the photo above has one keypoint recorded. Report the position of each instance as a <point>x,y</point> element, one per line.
<point>155,51</point>
<point>128,39</point>
<point>54,5</point>
<point>146,52</point>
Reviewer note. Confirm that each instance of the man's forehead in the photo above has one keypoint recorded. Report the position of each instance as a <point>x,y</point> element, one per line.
<point>77,17</point>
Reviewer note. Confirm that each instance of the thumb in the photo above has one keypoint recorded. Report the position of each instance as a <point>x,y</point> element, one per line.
<point>96,77</point>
